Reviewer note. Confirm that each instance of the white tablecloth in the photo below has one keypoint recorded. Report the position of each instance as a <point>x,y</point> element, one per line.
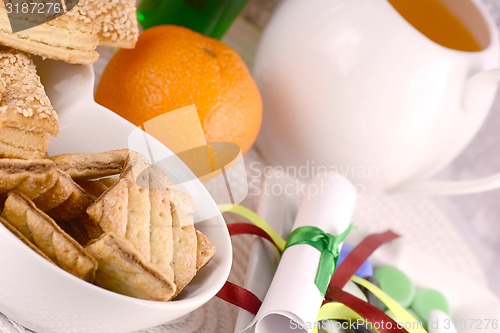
<point>477,216</point>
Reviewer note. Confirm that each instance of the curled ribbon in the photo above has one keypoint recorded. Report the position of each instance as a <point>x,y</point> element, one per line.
<point>325,243</point>
<point>255,219</point>
<point>339,305</point>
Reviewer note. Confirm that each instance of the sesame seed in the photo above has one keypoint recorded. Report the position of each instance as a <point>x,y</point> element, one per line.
<point>23,92</point>
<point>117,19</point>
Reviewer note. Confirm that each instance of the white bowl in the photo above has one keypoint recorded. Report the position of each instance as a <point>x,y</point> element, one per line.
<point>43,297</point>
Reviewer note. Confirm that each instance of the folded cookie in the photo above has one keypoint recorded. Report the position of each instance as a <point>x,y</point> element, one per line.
<point>117,20</point>
<point>32,178</point>
<point>123,270</point>
<point>137,207</point>
<point>205,250</point>
<point>52,190</point>
<point>71,37</point>
<point>59,193</point>
<point>110,210</point>
<point>125,208</point>
<point>185,240</point>
<point>92,166</point>
<point>48,237</point>
<point>82,229</point>
<point>155,219</point>
<point>74,206</point>
<point>95,188</point>
<point>161,237</point>
<point>27,119</point>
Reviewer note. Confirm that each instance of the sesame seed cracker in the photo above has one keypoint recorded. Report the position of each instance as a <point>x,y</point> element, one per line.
<point>26,114</point>
<point>68,37</point>
<point>117,20</point>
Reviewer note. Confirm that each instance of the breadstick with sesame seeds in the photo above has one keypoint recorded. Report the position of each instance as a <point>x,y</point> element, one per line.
<point>27,118</point>
<point>116,18</point>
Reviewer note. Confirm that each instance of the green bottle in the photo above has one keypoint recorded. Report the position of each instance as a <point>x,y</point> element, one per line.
<point>209,17</point>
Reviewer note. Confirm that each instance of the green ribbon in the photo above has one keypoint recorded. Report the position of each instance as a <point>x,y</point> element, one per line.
<point>325,243</point>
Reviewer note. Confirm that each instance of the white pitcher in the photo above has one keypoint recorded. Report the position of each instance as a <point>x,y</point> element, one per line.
<point>351,86</point>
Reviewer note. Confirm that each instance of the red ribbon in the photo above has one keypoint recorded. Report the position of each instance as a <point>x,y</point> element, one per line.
<point>232,293</point>
<point>358,256</point>
<point>346,270</point>
<point>240,297</point>
<point>247,229</point>
<point>366,310</point>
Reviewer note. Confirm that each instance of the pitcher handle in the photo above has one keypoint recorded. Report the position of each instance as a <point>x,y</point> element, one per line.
<point>477,89</point>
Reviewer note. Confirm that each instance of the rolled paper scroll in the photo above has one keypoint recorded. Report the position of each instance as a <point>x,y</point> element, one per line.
<point>295,295</point>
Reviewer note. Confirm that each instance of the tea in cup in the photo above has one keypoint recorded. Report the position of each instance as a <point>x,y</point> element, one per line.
<point>400,87</point>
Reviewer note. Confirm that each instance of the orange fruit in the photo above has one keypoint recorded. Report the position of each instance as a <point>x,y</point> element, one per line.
<point>172,67</point>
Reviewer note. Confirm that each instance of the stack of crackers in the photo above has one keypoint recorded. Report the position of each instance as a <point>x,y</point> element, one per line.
<point>132,234</point>
<point>27,119</point>
<point>111,219</point>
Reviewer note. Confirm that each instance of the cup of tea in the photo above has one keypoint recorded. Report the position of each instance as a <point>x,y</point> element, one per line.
<point>385,92</point>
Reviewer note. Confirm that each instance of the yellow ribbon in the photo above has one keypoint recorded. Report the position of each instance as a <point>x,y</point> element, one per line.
<point>336,311</point>
<point>257,220</point>
<point>406,319</point>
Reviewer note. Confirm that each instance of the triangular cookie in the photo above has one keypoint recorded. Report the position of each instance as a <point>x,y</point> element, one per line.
<point>92,166</point>
<point>110,210</point>
<point>162,241</point>
<point>43,232</point>
<point>123,270</point>
<point>27,118</point>
<point>32,178</point>
<point>185,241</point>
<point>205,250</point>
<point>71,37</point>
<point>117,20</point>
<point>125,207</point>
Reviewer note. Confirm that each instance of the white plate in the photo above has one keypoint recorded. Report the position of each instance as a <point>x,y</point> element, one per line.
<point>471,303</point>
<point>44,298</point>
